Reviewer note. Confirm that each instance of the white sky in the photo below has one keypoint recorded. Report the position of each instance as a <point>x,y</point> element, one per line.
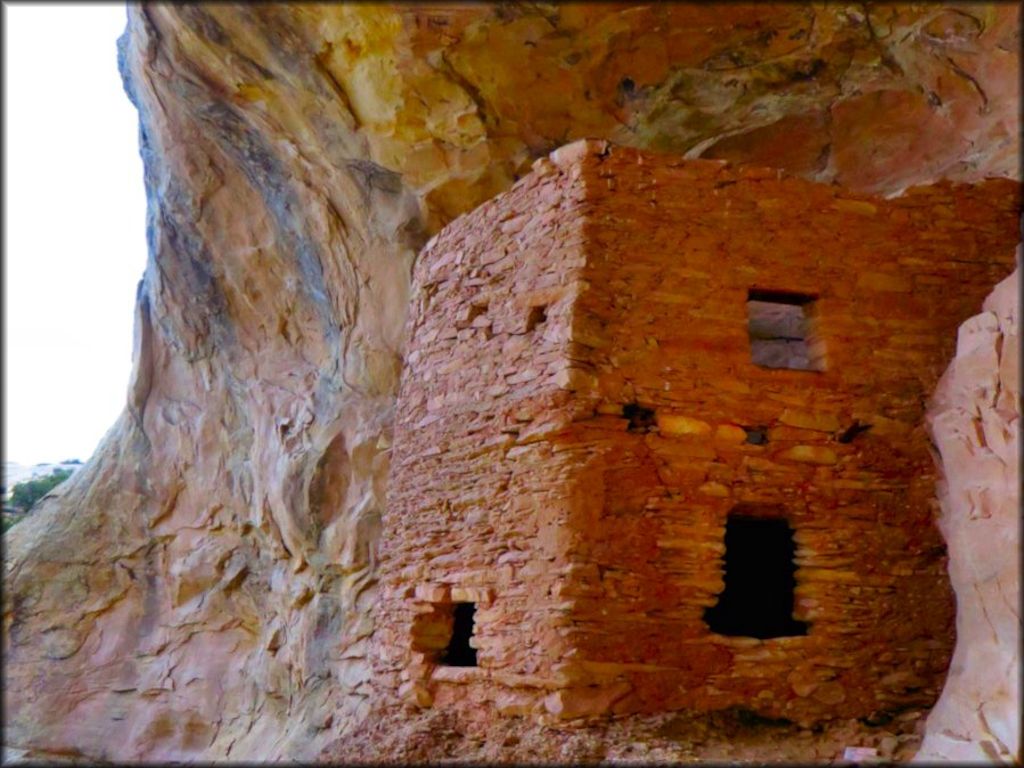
<point>74,229</point>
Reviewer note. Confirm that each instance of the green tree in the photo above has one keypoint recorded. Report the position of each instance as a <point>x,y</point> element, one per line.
<point>8,520</point>
<point>25,495</point>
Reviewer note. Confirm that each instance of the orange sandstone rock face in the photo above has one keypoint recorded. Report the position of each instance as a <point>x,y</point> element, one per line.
<point>206,587</point>
<point>578,356</point>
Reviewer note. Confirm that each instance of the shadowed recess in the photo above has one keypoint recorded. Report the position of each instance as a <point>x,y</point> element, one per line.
<point>759,581</point>
<point>459,652</point>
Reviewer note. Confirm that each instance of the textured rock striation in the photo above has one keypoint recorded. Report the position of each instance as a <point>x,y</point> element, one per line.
<point>204,587</point>
<point>974,421</point>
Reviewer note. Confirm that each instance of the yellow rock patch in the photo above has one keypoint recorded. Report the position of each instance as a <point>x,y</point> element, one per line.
<point>810,454</point>
<point>673,424</point>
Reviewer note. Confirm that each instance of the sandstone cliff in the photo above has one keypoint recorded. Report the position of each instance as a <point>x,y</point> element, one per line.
<point>975,423</point>
<point>204,587</point>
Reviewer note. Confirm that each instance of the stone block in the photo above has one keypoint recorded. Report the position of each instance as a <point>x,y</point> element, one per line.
<point>677,424</point>
<point>730,433</point>
<point>810,454</point>
<point>571,703</point>
<point>481,595</point>
<point>416,693</point>
<point>814,420</point>
<point>432,593</point>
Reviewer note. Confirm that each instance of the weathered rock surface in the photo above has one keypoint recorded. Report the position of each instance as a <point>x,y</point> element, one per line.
<point>204,587</point>
<point>974,421</point>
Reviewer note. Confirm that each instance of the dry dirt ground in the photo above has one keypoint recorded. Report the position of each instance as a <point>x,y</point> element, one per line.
<point>733,736</point>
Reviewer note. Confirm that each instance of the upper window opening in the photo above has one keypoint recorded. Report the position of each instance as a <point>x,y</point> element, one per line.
<point>468,316</point>
<point>475,311</point>
<point>459,652</point>
<point>781,331</point>
<point>760,577</point>
<point>537,317</point>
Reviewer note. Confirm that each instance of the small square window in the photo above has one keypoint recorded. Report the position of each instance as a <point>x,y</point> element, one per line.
<point>781,328</point>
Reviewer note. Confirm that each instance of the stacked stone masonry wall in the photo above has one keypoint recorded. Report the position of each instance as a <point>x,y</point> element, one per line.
<point>673,248</point>
<point>477,503</point>
<point>592,546</point>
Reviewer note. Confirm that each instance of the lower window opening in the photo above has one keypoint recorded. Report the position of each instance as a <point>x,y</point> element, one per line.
<point>459,652</point>
<point>760,577</point>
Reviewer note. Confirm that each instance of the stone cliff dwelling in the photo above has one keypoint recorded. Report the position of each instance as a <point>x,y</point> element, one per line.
<point>660,448</point>
<point>673,439</point>
<point>659,442</point>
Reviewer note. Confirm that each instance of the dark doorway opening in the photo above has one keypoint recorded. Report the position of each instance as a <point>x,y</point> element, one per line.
<point>459,652</point>
<point>760,576</point>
